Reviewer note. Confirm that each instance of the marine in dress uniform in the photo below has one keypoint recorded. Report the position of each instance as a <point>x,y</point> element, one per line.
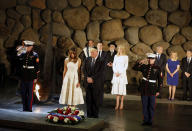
<point>29,72</point>
<point>150,85</point>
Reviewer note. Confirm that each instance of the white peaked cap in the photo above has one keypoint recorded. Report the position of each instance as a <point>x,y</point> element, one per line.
<point>151,55</point>
<point>28,43</point>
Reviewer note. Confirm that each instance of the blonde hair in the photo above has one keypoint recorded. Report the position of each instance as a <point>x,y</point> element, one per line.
<point>122,48</point>
<point>173,57</point>
<point>93,49</point>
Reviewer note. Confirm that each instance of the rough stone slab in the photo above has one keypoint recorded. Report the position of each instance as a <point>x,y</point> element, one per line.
<point>36,121</point>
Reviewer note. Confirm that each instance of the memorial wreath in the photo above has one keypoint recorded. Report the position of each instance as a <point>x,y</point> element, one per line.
<point>66,115</point>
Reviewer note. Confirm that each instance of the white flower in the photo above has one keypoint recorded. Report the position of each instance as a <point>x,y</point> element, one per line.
<point>63,112</point>
<point>55,119</point>
<point>49,116</point>
<point>65,108</point>
<point>81,113</point>
<point>75,119</point>
<point>66,120</point>
<point>73,108</point>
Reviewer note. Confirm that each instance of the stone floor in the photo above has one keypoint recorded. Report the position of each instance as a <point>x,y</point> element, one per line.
<point>169,115</point>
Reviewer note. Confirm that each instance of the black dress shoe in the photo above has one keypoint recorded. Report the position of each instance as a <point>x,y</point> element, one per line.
<point>189,99</point>
<point>144,124</point>
<point>89,116</point>
<point>149,123</point>
<point>28,110</point>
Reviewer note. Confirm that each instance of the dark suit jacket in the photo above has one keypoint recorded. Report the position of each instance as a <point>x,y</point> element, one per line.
<point>109,70</point>
<point>161,63</point>
<point>103,55</point>
<point>96,73</point>
<point>185,67</point>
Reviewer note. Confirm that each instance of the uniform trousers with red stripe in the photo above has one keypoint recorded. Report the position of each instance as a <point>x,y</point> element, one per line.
<point>148,103</point>
<point>27,95</point>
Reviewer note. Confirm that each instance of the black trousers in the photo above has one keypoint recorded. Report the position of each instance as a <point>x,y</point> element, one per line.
<point>148,103</point>
<point>162,85</point>
<point>92,101</point>
<point>187,86</point>
<point>109,85</point>
<point>27,95</point>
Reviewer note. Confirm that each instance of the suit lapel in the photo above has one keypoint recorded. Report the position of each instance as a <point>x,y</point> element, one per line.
<point>96,63</point>
<point>89,63</point>
<point>190,62</point>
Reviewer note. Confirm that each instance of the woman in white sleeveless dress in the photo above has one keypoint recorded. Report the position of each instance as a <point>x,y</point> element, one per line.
<point>119,81</point>
<point>71,93</point>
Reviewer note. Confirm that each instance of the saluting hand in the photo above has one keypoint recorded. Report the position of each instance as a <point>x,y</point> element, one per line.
<point>144,61</point>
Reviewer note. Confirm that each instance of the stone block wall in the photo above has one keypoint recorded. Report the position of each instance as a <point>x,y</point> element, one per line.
<point>141,25</point>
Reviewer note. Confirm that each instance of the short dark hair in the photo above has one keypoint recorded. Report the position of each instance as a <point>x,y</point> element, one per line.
<point>99,43</point>
<point>189,50</point>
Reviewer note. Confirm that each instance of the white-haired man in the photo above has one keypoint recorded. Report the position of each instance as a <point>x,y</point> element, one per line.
<point>93,82</point>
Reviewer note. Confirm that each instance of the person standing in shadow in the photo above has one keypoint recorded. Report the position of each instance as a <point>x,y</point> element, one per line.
<point>108,65</point>
<point>86,51</point>
<point>186,67</point>
<point>2,75</point>
<point>101,53</point>
<point>93,82</point>
<point>161,61</point>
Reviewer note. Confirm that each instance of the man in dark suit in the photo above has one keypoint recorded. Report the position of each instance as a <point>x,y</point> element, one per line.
<point>161,61</point>
<point>101,53</point>
<point>108,65</point>
<point>86,51</point>
<point>186,67</point>
<point>93,82</point>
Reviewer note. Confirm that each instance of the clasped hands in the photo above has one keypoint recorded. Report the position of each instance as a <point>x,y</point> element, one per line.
<point>117,74</point>
<point>89,80</point>
<point>171,74</point>
<point>110,64</point>
<point>187,74</point>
